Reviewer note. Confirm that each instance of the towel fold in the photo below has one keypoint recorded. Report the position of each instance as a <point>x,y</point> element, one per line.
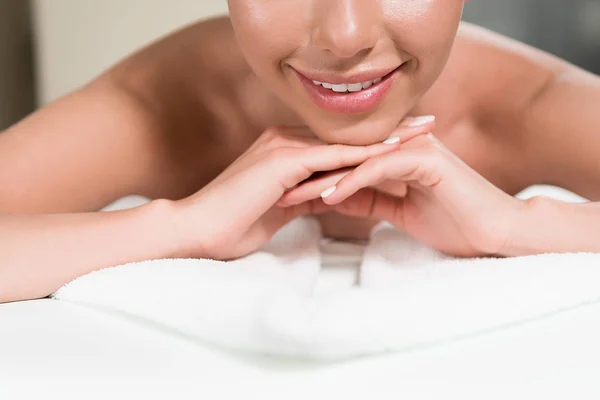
<point>407,295</point>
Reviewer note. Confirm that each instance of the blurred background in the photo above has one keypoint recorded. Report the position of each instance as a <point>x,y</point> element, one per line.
<point>50,47</point>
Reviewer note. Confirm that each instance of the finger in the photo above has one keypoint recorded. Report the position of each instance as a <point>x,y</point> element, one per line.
<point>371,203</point>
<point>277,218</point>
<point>284,136</point>
<point>407,165</point>
<point>411,128</point>
<point>277,137</point>
<point>274,220</point>
<point>313,207</point>
<point>418,120</point>
<point>332,157</point>
<point>311,189</point>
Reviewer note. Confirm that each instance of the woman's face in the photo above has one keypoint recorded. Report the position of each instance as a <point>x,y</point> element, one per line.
<point>373,58</point>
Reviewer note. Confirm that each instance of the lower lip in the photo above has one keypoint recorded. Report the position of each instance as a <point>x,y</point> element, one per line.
<point>350,102</point>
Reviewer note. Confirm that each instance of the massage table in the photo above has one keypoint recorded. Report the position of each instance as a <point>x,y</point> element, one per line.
<point>54,349</point>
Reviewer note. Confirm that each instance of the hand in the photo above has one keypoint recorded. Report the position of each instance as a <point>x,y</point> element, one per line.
<point>235,214</point>
<point>447,205</point>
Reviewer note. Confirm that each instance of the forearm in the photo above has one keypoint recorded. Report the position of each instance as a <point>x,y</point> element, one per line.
<point>40,253</point>
<point>552,226</point>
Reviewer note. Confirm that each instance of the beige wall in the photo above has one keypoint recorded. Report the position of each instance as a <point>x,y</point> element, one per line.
<point>78,39</point>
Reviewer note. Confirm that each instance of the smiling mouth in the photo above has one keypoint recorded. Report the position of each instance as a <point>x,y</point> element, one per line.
<point>348,87</point>
<point>351,97</point>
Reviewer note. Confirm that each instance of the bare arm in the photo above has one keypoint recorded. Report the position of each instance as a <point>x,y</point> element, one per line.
<point>558,134</point>
<point>562,127</point>
<point>140,128</point>
<point>65,161</point>
<point>77,154</point>
<point>540,117</point>
<point>562,124</point>
<point>135,130</point>
<point>40,253</point>
<point>552,226</point>
<point>543,110</point>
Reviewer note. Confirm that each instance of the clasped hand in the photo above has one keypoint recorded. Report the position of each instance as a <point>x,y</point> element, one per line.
<point>411,180</point>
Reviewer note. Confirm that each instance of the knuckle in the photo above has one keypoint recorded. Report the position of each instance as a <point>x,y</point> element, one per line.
<point>274,130</point>
<point>271,158</point>
<point>427,168</point>
<point>274,136</point>
<point>416,174</point>
<point>277,155</point>
<point>426,176</point>
<point>285,163</point>
<point>370,169</point>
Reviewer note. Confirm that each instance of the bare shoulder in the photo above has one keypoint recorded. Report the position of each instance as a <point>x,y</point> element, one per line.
<point>499,74</point>
<point>482,98</point>
<point>190,79</point>
<point>193,60</point>
<point>542,109</point>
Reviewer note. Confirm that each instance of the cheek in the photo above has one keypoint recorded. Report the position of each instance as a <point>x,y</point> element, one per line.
<point>422,22</point>
<point>268,31</point>
<point>425,29</point>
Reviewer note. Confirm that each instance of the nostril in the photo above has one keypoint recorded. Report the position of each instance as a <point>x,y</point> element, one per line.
<point>344,44</point>
<point>343,30</point>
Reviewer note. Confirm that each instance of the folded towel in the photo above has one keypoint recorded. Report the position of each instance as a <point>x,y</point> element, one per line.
<point>407,295</point>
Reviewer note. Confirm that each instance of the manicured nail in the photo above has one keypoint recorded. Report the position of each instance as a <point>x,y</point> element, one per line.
<point>392,140</point>
<point>422,120</point>
<point>328,192</point>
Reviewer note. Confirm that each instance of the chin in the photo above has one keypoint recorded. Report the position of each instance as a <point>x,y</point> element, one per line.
<point>361,133</point>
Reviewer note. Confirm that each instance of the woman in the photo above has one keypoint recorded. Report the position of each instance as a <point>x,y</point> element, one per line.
<point>223,123</point>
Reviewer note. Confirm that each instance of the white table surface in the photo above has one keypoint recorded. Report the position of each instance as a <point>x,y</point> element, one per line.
<point>52,349</point>
<point>61,350</point>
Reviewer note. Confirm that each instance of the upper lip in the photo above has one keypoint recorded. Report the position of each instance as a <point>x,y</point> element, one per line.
<point>348,77</point>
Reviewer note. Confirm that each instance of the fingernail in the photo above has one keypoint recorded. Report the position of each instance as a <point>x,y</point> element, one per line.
<point>392,140</point>
<point>425,119</point>
<point>328,192</point>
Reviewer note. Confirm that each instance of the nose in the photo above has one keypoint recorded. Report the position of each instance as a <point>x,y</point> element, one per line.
<point>346,27</point>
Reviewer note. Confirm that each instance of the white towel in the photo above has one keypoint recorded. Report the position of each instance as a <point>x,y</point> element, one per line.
<point>407,295</point>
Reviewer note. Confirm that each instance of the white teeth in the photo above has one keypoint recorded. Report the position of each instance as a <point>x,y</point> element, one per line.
<point>348,87</point>
<point>340,88</point>
<point>355,87</point>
